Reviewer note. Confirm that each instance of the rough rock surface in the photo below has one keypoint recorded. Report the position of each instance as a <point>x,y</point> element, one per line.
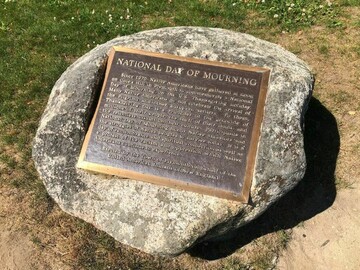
<point>155,219</point>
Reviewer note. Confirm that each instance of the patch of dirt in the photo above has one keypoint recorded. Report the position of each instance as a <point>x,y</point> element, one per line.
<point>18,250</point>
<point>330,240</point>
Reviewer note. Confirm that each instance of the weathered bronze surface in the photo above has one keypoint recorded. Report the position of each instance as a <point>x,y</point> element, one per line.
<point>180,122</point>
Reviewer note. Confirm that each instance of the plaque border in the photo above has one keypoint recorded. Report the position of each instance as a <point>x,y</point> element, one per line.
<point>244,195</point>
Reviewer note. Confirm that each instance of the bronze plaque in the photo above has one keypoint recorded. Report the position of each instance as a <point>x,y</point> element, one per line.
<point>180,122</point>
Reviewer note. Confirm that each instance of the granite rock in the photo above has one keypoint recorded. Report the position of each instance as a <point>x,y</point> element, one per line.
<point>161,220</point>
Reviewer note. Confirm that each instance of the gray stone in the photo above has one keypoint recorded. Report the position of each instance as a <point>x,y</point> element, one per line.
<point>156,219</point>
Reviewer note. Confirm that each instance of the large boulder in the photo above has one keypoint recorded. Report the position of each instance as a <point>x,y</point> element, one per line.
<point>156,219</point>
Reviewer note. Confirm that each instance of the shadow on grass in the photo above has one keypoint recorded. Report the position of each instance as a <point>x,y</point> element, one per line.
<point>315,193</point>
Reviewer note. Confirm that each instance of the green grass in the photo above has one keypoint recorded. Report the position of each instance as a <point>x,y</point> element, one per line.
<point>323,48</point>
<point>284,237</point>
<point>40,39</point>
<point>292,15</point>
<point>351,3</point>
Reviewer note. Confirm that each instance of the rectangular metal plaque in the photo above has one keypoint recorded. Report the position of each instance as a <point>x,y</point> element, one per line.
<point>180,122</point>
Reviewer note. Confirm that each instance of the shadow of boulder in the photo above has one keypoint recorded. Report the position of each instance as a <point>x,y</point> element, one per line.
<point>314,194</point>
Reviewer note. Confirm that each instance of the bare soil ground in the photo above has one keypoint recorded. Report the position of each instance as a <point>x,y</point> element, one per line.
<point>325,236</point>
<point>330,240</point>
<point>19,247</point>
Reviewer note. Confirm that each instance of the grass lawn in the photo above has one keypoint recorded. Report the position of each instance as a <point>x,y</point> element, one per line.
<point>40,39</point>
